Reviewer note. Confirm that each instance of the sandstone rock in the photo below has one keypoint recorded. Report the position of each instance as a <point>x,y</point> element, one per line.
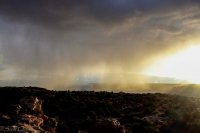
<point>26,128</point>
<point>44,117</point>
<point>31,119</point>
<point>32,104</point>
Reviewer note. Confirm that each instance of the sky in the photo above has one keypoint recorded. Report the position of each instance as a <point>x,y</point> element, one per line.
<point>56,43</point>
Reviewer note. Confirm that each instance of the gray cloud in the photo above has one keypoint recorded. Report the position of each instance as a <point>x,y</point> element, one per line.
<point>50,42</point>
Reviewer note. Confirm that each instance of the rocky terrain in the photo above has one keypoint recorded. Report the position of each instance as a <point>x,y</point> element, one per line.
<point>37,110</point>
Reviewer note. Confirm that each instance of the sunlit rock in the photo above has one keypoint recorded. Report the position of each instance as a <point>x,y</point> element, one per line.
<point>31,119</point>
<point>32,104</point>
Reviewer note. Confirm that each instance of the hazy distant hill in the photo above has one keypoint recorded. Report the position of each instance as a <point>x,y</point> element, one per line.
<point>191,90</point>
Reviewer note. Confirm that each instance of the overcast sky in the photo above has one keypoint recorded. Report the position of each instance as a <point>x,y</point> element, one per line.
<point>52,43</point>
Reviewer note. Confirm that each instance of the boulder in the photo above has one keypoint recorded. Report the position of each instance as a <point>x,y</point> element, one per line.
<point>32,103</point>
<point>26,128</point>
<point>29,116</point>
<point>31,120</point>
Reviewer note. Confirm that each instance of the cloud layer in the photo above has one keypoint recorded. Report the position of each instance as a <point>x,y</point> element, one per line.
<point>54,42</point>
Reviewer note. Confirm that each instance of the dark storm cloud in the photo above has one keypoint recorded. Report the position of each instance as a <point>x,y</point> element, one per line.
<point>65,12</point>
<point>51,41</point>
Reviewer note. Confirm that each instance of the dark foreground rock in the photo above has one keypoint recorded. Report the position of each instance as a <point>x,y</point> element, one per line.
<point>37,110</point>
<point>27,116</point>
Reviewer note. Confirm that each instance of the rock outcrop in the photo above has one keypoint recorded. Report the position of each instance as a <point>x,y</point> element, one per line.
<point>28,117</point>
<point>32,104</point>
<point>35,110</point>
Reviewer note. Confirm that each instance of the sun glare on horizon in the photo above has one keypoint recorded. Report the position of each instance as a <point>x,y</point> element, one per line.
<point>183,65</point>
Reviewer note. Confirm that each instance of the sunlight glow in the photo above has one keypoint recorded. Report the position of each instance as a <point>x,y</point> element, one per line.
<point>184,65</point>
